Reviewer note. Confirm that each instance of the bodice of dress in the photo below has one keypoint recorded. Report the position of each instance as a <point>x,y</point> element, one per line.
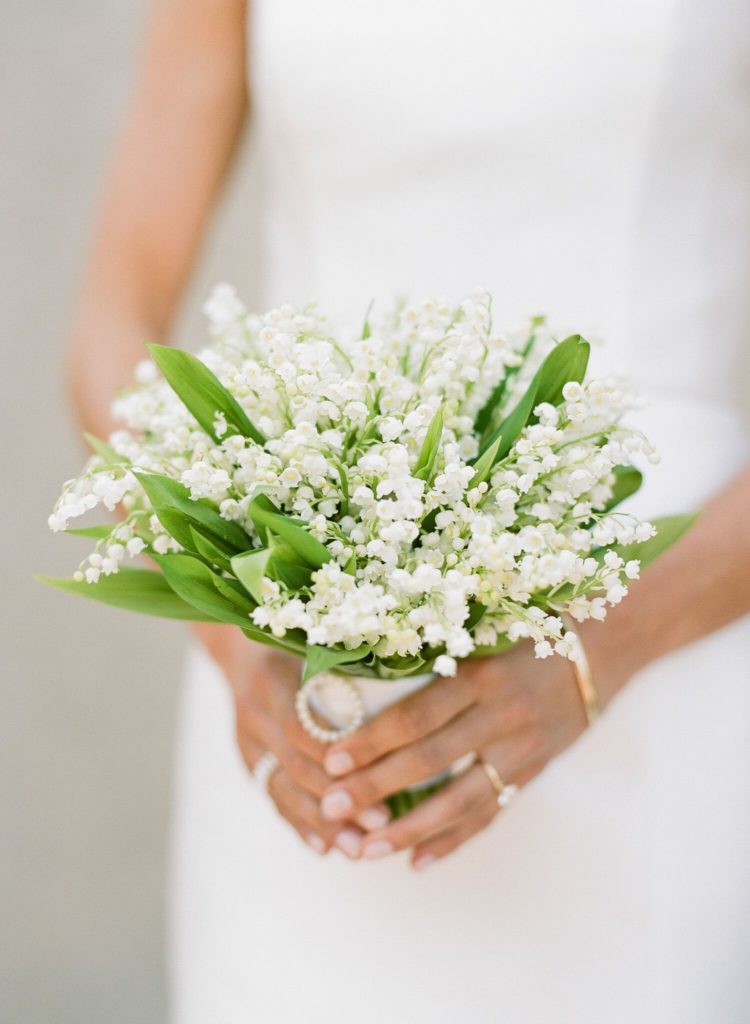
<point>590,161</point>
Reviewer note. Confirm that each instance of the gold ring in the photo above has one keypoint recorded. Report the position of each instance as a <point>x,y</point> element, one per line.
<point>504,791</point>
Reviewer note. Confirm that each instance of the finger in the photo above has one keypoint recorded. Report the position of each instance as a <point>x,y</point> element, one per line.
<point>404,722</point>
<point>414,764</point>
<point>275,685</point>
<point>442,843</point>
<point>459,799</point>
<point>302,812</point>
<point>258,725</point>
<point>446,842</point>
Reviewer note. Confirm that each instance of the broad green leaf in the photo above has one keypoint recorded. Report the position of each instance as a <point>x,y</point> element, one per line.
<point>177,526</point>
<point>400,667</point>
<point>484,417</point>
<point>566,362</point>
<point>287,567</point>
<point>628,480</point>
<point>105,451</point>
<point>195,583</point>
<point>93,532</point>
<point>310,550</point>
<point>202,392</point>
<point>425,463</point>
<point>322,659</point>
<point>483,465</point>
<point>250,569</point>
<point>669,529</point>
<point>209,549</point>
<point>263,502</point>
<point>293,640</point>
<point>137,590</point>
<point>167,494</point>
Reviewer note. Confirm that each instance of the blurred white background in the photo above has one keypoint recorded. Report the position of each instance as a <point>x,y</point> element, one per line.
<point>89,694</point>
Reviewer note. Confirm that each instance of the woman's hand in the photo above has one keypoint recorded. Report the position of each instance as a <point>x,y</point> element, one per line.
<point>515,711</point>
<point>264,683</point>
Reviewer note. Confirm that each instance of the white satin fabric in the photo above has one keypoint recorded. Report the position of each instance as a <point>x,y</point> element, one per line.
<point>591,161</point>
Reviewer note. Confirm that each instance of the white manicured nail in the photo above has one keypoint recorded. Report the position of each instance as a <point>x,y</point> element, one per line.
<point>336,804</point>
<point>349,843</point>
<point>317,842</point>
<point>380,848</point>
<point>374,817</point>
<point>424,861</point>
<point>339,763</point>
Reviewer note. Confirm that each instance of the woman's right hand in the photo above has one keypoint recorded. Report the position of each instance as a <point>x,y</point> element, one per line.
<point>264,683</point>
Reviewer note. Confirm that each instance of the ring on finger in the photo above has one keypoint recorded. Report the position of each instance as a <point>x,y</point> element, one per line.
<point>264,768</point>
<point>504,791</point>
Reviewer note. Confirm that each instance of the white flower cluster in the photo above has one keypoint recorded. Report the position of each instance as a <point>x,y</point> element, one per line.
<point>426,561</point>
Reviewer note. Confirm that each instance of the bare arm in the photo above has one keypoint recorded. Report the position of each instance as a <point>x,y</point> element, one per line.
<point>182,130</point>
<point>700,585</point>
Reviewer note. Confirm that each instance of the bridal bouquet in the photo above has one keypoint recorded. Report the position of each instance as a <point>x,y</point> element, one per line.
<point>380,502</point>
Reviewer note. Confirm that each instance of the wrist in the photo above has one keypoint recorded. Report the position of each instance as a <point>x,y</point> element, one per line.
<point>615,650</point>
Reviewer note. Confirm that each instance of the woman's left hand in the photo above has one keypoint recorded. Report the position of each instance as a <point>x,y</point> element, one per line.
<point>515,711</point>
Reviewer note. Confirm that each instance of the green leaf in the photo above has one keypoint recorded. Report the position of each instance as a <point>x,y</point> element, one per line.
<point>566,362</point>
<point>166,494</point>
<point>485,415</point>
<point>669,529</point>
<point>202,392</point>
<point>310,550</point>
<point>196,584</point>
<point>93,532</point>
<point>177,526</point>
<point>105,451</point>
<point>250,569</point>
<point>322,659</point>
<point>209,549</point>
<point>137,590</point>
<point>286,567</point>
<point>628,480</point>
<point>483,465</point>
<point>425,463</point>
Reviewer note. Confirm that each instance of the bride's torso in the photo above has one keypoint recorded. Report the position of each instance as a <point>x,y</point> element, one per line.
<point>590,160</point>
<point>587,160</point>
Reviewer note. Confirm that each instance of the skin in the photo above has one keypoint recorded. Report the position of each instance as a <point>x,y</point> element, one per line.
<point>184,127</point>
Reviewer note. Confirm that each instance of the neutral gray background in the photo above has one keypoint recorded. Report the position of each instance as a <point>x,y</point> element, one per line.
<point>88,694</point>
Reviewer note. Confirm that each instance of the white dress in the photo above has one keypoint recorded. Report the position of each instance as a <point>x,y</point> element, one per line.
<point>590,160</point>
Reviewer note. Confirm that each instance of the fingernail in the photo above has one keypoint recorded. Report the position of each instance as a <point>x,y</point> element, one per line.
<point>336,804</point>
<point>374,817</point>
<point>349,843</point>
<point>317,843</point>
<point>424,861</point>
<point>338,763</point>
<point>380,848</point>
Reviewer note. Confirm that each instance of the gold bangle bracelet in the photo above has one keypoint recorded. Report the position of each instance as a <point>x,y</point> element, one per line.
<point>585,682</point>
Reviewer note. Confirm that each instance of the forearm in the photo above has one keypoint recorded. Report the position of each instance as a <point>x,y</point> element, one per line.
<point>695,588</point>
<point>182,131</point>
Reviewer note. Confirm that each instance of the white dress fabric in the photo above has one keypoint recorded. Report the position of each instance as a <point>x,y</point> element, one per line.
<point>592,161</point>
